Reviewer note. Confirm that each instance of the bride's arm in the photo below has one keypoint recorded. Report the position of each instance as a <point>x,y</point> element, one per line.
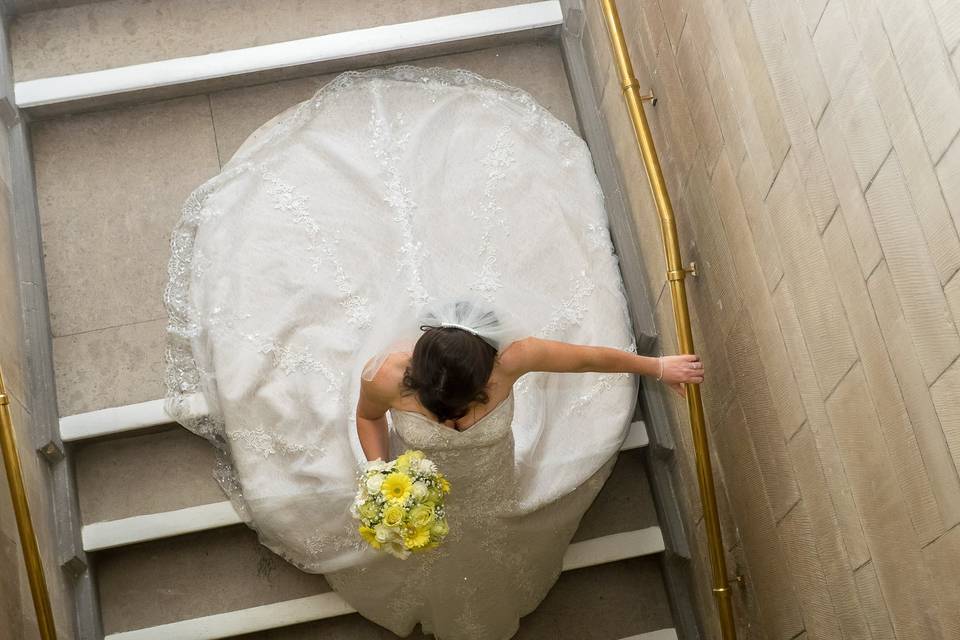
<point>535,354</point>
<point>372,420</point>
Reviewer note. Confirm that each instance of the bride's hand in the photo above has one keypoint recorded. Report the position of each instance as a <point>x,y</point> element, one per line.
<point>681,369</point>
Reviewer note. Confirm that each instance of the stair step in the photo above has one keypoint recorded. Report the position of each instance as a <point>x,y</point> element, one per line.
<point>97,536</point>
<point>116,579</point>
<point>319,54</point>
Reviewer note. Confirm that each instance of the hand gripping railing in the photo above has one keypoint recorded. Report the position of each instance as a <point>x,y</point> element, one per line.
<point>28,538</point>
<point>675,275</point>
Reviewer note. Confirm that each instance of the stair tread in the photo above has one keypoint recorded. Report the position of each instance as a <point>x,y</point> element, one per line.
<point>615,585</point>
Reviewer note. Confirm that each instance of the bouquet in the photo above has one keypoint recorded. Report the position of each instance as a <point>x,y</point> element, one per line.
<point>400,504</point>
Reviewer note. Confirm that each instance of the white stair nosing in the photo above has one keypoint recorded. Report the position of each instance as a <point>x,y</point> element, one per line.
<point>617,546</point>
<point>613,547</point>
<point>133,417</point>
<point>114,420</point>
<point>153,526</point>
<point>293,53</point>
<point>659,634</point>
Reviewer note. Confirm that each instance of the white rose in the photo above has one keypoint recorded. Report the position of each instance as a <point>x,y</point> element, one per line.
<point>420,490</point>
<point>374,483</point>
<point>376,465</point>
<point>382,533</point>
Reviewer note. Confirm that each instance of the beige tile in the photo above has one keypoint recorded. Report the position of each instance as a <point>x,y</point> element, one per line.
<point>109,34</point>
<point>116,479</point>
<point>943,559</point>
<point>828,453</point>
<point>810,583</point>
<point>927,76</point>
<point>947,401</point>
<point>723,102</point>
<point>904,581</point>
<point>535,67</point>
<point>12,354</point>
<point>110,367</point>
<point>923,468</point>
<point>873,604</point>
<point>674,19</point>
<point>827,533</point>
<point>110,187</point>
<point>805,267</point>
<point>914,274</point>
<point>752,281</point>
<point>765,432</point>
<point>779,608</point>
<point>239,112</point>
<point>853,206</point>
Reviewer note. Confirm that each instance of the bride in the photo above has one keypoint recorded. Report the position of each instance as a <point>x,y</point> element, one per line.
<point>409,259</point>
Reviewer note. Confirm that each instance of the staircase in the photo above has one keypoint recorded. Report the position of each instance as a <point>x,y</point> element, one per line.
<point>125,119</point>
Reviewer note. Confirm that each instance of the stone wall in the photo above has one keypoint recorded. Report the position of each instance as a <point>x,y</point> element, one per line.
<point>811,152</point>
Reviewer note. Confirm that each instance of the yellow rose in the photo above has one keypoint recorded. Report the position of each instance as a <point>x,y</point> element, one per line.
<point>396,487</point>
<point>444,484</point>
<point>421,516</point>
<point>414,538</point>
<point>393,515</point>
<point>367,534</point>
<point>403,462</point>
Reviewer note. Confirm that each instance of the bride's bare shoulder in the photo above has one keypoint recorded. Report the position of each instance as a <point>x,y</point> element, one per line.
<point>515,359</point>
<point>387,383</point>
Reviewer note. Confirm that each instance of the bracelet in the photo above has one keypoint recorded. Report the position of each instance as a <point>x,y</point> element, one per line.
<point>660,360</point>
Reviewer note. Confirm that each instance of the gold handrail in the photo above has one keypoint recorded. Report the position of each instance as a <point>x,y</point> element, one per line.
<point>21,510</point>
<point>675,275</point>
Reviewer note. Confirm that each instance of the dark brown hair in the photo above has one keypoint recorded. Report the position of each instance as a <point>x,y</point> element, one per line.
<point>449,370</point>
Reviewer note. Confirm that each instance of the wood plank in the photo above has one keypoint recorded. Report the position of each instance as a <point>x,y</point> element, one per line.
<point>853,206</point>
<point>873,605</point>
<point>922,466</point>
<point>828,534</point>
<point>943,560</point>
<point>805,267</point>
<point>827,458</point>
<point>927,75</point>
<point>912,270</point>
<point>779,374</point>
<point>946,398</point>
<point>904,581</point>
<point>762,546</point>
<point>809,581</point>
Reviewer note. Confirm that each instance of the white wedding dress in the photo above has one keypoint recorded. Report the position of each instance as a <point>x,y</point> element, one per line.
<point>314,250</point>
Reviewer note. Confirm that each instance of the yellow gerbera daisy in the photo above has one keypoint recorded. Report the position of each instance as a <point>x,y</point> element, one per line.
<point>415,538</point>
<point>396,487</point>
<point>367,534</point>
<point>444,484</point>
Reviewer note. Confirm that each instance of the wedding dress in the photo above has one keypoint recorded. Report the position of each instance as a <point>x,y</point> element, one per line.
<point>314,251</point>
